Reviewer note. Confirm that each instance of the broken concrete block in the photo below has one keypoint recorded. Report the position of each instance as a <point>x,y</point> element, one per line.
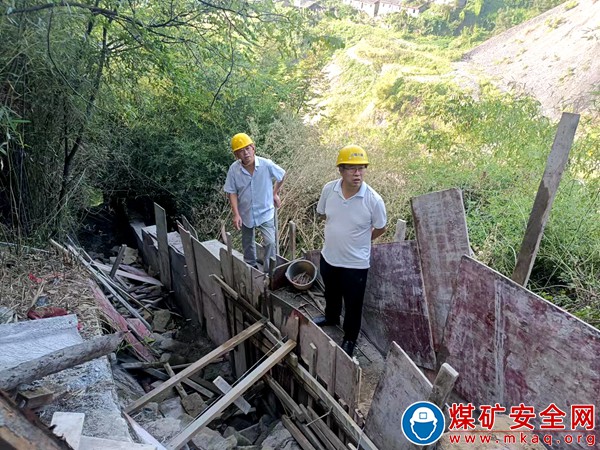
<point>164,429</point>
<point>164,394</point>
<point>240,439</point>
<point>171,345</point>
<point>251,433</point>
<point>171,408</point>
<point>193,404</point>
<point>148,413</point>
<point>36,397</point>
<point>130,256</point>
<point>280,439</point>
<point>211,439</point>
<point>161,320</point>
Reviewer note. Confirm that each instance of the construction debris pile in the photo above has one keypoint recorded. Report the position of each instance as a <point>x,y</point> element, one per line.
<point>225,356</point>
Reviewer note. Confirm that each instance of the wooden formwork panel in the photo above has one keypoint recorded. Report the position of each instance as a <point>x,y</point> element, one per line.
<point>511,346</point>
<point>401,385</point>
<point>213,302</point>
<point>442,237</point>
<point>395,306</point>
<point>334,368</point>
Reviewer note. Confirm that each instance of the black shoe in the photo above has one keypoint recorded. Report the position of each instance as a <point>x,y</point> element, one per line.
<point>322,321</point>
<point>348,347</point>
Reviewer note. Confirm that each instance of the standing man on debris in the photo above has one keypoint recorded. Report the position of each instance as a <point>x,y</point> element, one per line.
<point>253,197</point>
<point>354,216</point>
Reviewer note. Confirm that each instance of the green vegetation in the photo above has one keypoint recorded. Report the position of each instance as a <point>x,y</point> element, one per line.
<point>428,130</point>
<point>136,102</point>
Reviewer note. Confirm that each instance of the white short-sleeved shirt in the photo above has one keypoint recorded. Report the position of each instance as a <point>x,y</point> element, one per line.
<point>254,191</point>
<point>349,223</point>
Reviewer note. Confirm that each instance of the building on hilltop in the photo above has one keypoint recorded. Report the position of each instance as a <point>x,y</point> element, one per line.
<point>389,6</point>
<point>376,8</point>
<point>370,7</point>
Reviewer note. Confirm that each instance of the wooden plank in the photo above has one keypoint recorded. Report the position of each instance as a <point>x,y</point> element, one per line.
<point>139,328</point>
<point>443,385</point>
<point>188,226</point>
<point>555,166</point>
<point>285,398</point>
<point>229,262</point>
<point>296,433</point>
<point>225,387</point>
<point>511,346</point>
<point>312,334</point>
<point>117,292</point>
<point>317,423</point>
<point>258,279</point>
<point>118,322</point>
<point>400,233</point>
<point>163,245</point>
<point>69,426</point>
<point>117,263</point>
<point>242,277</point>
<point>207,263</point>
<point>395,306</point>
<point>58,360</point>
<point>441,229</point>
<point>216,408</point>
<point>142,434</point>
<point>145,278</point>
<point>198,365</point>
<point>178,387</point>
<point>347,378</point>
<point>312,365</point>
<point>319,392</point>
<point>19,431</point>
<point>401,384</point>
<point>292,240</point>
<point>192,272</point>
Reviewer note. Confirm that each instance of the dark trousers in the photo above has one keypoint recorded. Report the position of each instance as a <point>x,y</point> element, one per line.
<point>349,284</point>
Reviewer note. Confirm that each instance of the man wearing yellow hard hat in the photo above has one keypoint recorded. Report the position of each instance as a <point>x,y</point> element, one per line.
<point>253,197</point>
<point>354,216</point>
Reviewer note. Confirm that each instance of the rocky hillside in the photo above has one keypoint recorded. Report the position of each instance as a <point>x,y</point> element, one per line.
<point>554,57</point>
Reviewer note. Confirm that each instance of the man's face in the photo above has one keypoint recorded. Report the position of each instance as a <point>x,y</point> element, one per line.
<point>246,154</point>
<point>353,175</point>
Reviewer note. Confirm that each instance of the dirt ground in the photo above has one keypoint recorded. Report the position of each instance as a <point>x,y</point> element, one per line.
<point>552,57</point>
<point>41,279</point>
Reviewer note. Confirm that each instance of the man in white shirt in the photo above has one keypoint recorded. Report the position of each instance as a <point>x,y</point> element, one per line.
<point>354,216</point>
<point>253,197</point>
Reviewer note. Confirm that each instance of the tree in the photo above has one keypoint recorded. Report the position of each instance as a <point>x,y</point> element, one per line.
<point>64,63</point>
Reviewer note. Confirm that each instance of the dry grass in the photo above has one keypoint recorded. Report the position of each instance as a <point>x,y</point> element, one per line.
<point>27,275</point>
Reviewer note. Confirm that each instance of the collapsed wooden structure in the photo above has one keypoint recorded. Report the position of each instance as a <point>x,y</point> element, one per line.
<point>428,302</point>
<point>445,321</point>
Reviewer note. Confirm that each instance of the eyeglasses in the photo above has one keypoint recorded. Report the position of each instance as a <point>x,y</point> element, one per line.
<point>245,151</point>
<point>354,169</point>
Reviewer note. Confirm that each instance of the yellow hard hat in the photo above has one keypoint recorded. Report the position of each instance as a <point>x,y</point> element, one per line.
<point>352,154</point>
<point>239,141</point>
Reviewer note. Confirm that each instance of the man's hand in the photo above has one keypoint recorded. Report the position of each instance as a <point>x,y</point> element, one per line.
<point>237,222</point>
<point>276,200</point>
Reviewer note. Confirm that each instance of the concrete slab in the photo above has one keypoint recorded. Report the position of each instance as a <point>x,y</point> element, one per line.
<point>24,341</point>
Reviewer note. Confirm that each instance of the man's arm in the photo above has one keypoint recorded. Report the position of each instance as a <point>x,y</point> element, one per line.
<point>376,232</point>
<point>237,219</point>
<point>276,199</point>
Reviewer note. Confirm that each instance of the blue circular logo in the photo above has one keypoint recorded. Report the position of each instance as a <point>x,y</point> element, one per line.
<point>423,423</point>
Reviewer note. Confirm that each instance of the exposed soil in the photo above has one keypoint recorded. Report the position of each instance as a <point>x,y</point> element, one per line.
<point>554,57</point>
